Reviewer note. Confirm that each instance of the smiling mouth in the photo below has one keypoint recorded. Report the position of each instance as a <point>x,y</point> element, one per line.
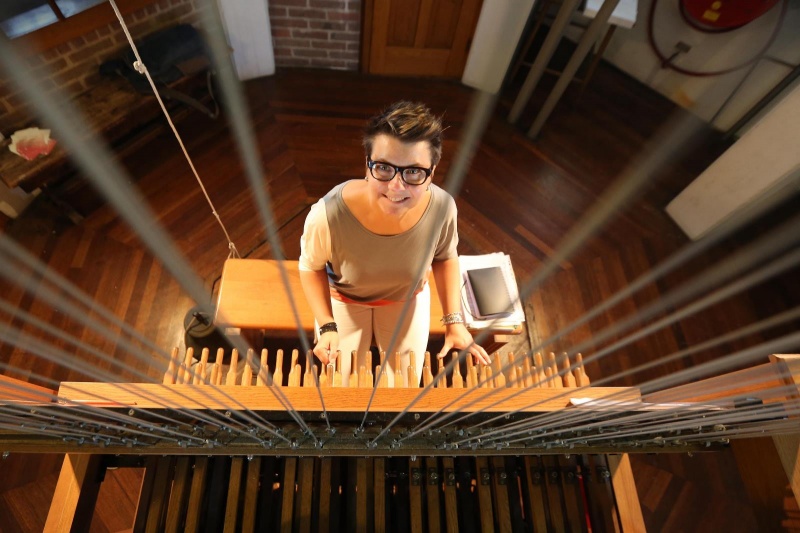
<point>396,200</point>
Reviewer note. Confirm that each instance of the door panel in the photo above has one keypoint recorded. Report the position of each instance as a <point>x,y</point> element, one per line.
<point>403,17</point>
<point>443,25</point>
<point>419,37</point>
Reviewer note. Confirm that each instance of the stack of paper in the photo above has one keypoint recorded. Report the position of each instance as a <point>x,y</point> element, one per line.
<point>472,316</point>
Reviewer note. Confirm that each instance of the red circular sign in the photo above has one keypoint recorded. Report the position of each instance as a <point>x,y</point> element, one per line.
<point>721,15</point>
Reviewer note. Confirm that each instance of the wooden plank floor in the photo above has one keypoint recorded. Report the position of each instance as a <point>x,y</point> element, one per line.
<point>520,197</point>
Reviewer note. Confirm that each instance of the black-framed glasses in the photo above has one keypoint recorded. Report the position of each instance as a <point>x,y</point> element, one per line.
<point>386,172</point>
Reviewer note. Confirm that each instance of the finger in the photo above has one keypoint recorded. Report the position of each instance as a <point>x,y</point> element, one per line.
<point>444,350</point>
<point>481,356</point>
<point>321,353</point>
<point>330,344</point>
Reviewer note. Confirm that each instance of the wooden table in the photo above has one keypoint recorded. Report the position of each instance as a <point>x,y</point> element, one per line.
<point>252,296</point>
<point>111,107</point>
<point>115,114</point>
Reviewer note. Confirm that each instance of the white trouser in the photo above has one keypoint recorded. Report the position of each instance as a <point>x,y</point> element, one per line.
<point>358,324</point>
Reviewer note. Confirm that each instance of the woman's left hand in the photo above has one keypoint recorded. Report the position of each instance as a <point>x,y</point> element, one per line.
<point>458,337</point>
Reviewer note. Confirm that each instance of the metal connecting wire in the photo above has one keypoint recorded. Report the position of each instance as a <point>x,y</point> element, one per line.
<point>233,96</point>
<point>63,408</point>
<point>681,257</point>
<point>63,358</point>
<point>20,255</point>
<point>676,415</point>
<point>734,272</point>
<point>737,286</point>
<point>480,113</point>
<point>141,68</point>
<point>440,376</point>
<point>734,360</point>
<point>736,264</point>
<point>107,176</point>
<point>678,425</point>
<point>741,332</point>
<point>780,427</point>
<point>59,402</point>
<point>28,418</point>
<point>677,134</point>
<point>628,185</point>
<point>59,302</point>
<point>28,428</point>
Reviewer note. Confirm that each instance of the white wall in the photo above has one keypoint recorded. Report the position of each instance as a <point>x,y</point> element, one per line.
<point>762,160</point>
<point>249,34</point>
<point>630,51</point>
<point>496,36</point>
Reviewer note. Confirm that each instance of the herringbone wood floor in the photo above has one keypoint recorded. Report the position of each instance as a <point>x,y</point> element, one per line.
<point>521,197</point>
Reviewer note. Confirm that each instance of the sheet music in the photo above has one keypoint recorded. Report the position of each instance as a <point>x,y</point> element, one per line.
<point>470,307</point>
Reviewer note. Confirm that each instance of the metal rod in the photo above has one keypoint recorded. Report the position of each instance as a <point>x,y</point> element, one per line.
<point>588,39</point>
<point>549,46</point>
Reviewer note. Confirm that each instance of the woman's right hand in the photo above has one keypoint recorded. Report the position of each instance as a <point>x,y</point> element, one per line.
<point>327,345</point>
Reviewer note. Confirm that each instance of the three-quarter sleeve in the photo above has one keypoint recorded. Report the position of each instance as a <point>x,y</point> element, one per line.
<point>315,244</point>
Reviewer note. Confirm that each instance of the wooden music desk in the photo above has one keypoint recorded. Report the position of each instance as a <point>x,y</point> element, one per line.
<point>252,296</point>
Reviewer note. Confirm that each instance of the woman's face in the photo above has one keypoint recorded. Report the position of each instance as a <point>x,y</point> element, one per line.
<point>395,197</point>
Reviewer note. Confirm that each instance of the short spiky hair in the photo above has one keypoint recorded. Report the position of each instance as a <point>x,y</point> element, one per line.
<point>409,122</point>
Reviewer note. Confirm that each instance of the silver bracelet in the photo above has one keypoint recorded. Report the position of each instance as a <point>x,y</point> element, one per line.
<point>453,318</point>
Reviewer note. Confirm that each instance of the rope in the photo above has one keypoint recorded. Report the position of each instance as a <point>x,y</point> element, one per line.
<point>141,68</point>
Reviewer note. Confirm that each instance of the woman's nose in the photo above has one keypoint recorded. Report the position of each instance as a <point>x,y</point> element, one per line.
<point>397,182</point>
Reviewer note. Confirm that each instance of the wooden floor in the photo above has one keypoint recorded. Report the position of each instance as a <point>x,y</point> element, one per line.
<point>520,197</point>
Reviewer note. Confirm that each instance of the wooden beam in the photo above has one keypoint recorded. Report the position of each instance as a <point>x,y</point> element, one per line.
<point>75,496</point>
<point>366,35</point>
<point>765,481</point>
<point>788,446</point>
<point>16,390</point>
<point>628,506</point>
<point>758,381</point>
<point>337,400</point>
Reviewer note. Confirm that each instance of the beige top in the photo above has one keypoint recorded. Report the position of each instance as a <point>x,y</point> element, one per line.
<point>366,267</point>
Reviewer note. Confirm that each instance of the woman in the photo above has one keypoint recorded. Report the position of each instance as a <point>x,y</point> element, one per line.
<point>367,244</point>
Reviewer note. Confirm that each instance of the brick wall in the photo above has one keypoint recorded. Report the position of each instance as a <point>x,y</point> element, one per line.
<point>72,66</point>
<point>316,33</point>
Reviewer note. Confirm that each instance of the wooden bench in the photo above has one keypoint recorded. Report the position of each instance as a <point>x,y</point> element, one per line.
<point>252,297</point>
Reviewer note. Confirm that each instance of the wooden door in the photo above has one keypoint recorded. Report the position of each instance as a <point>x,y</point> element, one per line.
<point>418,37</point>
